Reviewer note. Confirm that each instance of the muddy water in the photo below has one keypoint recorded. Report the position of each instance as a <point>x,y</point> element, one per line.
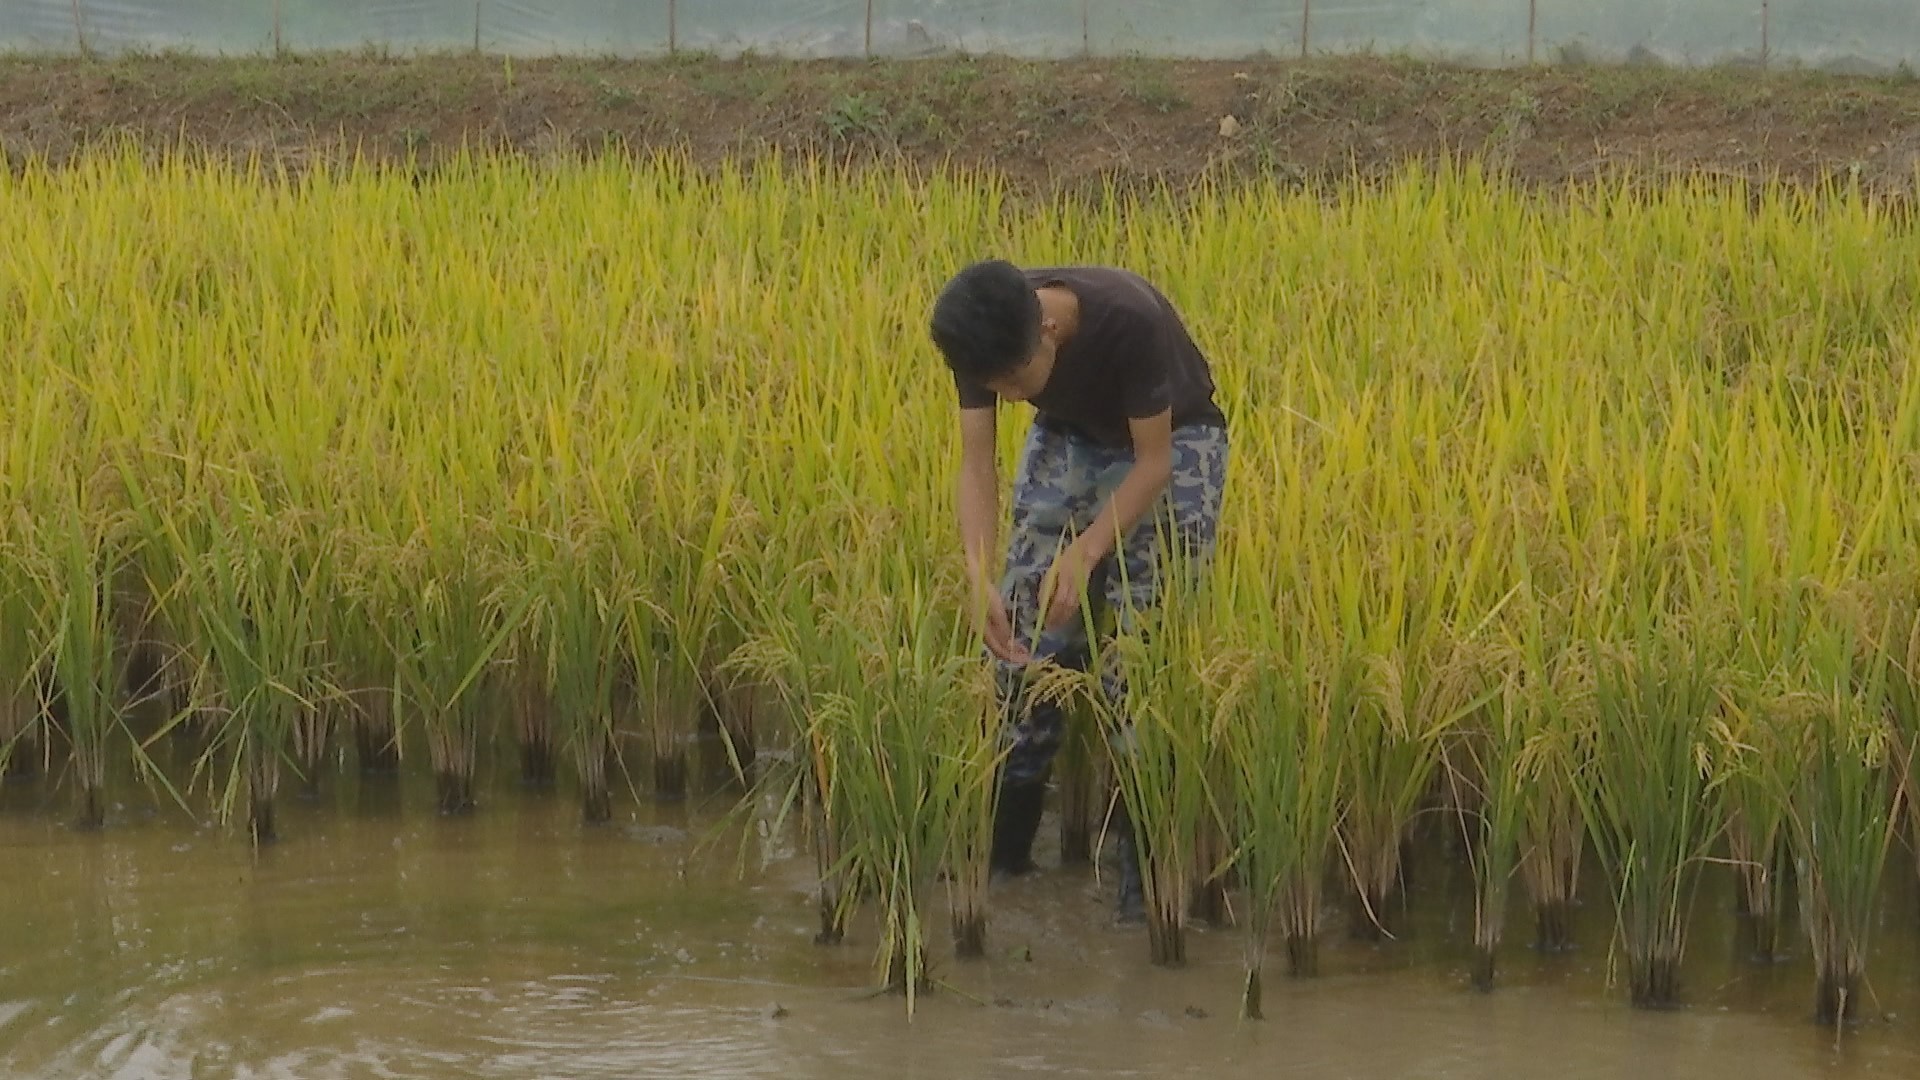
<point>380,940</point>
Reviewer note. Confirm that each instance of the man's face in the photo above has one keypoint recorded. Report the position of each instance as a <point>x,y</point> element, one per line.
<point>1026,381</point>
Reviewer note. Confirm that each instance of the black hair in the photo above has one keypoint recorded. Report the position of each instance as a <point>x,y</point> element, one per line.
<point>986,321</point>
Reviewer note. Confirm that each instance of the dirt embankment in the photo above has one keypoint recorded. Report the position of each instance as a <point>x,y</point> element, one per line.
<point>1046,125</point>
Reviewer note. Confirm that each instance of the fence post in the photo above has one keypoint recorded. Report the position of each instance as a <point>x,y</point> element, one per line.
<point>1533,19</point>
<point>1306,26</point>
<point>1766,44</point>
<point>1086,30</point>
<point>869,29</point>
<point>673,27</point>
<point>476,27</point>
<point>80,30</point>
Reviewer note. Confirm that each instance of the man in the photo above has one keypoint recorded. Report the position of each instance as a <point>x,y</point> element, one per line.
<point>1127,453</point>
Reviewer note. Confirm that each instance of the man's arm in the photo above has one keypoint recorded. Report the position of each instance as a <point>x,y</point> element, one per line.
<point>978,499</point>
<point>978,493</point>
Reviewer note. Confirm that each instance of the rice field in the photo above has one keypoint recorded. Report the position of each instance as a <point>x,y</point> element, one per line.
<point>1577,528</point>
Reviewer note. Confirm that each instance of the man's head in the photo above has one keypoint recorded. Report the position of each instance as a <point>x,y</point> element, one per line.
<point>988,324</point>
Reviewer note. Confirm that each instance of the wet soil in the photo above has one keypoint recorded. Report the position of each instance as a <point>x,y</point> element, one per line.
<point>1045,125</point>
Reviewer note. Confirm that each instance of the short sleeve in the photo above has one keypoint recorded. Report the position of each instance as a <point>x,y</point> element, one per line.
<point>1147,386</point>
<point>972,395</point>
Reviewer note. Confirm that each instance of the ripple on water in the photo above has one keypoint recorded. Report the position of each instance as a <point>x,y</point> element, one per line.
<point>365,1021</point>
<point>513,954</point>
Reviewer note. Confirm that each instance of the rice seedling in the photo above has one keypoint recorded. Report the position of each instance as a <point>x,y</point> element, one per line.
<point>570,680</point>
<point>72,567</point>
<point>1525,751</point>
<point>1757,845</point>
<point>1897,642</point>
<point>21,659</point>
<point>251,586</point>
<point>366,670</point>
<point>894,707</point>
<point>1494,757</point>
<point>1553,830</point>
<point>1651,805</point>
<point>1292,688</point>
<point>445,638</point>
<point>1163,738</point>
<point>781,593</point>
<point>1084,789</point>
<point>1759,752</point>
<point>779,657</point>
<point>1394,745</point>
<point>1847,807</point>
<point>1212,851</point>
<point>1489,758</point>
<point>678,620</point>
<point>1843,817</point>
<point>909,791</point>
<point>576,618</point>
<point>23,746</point>
<point>533,713</point>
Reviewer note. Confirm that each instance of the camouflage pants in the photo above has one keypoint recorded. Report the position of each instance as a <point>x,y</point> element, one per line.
<point>1059,487</point>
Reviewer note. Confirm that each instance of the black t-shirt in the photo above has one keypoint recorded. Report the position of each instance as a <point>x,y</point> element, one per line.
<point>1130,358</point>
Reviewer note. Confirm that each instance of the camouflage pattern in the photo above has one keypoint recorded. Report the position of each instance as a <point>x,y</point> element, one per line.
<point>1060,485</point>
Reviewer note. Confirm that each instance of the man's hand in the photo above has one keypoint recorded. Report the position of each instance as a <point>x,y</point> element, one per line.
<point>1066,585</point>
<point>997,629</point>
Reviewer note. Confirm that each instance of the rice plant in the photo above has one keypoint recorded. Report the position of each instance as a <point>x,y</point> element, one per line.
<point>250,592</point>
<point>1164,737</point>
<point>578,634</point>
<point>1844,810</point>
<point>1085,789</point>
<point>1547,702</point>
<point>366,669</point>
<point>897,706</point>
<point>72,568</point>
<point>677,617</point>
<point>21,664</point>
<point>809,789</point>
<point>1896,641</point>
<point>1759,751</point>
<point>1652,806</point>
<point>552,454</point>
<point>1284,708</point>
<point>445,641</point>
<point>1494,759</point>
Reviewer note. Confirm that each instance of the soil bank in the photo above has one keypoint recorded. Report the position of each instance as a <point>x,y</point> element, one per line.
<point>1047,126</point>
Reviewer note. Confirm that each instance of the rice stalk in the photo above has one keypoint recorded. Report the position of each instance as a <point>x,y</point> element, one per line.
<point>1283,713</point>
<point>1162,739</point>
<point>72,568</point>
<point>1844,811</point>
<point>576,614</point>
<point>1651,805</point>
<point>1084,789</point>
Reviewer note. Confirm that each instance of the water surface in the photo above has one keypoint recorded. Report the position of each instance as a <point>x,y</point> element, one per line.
<point>380,939</point>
